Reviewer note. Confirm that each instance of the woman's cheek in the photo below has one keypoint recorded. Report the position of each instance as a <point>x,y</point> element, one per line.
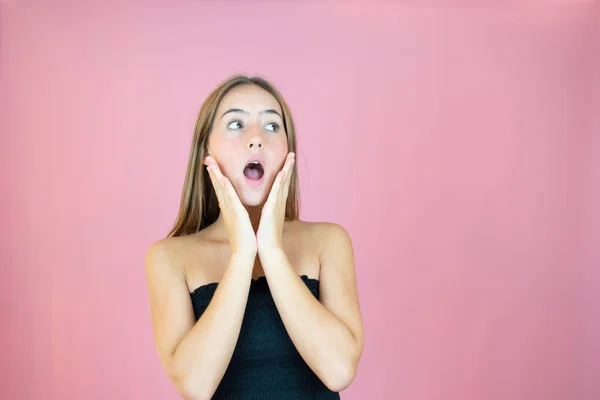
<point>281,150</point>
<point>229,153</point>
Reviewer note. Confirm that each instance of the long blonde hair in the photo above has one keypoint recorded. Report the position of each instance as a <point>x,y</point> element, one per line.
<point>199,206</point>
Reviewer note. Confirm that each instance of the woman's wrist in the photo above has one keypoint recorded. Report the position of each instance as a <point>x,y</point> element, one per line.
<point>271,255</point>
<point>243,257</point>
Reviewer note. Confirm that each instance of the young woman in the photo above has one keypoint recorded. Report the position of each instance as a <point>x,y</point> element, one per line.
<point>248,301</point>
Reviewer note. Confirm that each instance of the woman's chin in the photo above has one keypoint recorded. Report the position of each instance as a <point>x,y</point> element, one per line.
<point>252,198</point>
<point>253,193</point>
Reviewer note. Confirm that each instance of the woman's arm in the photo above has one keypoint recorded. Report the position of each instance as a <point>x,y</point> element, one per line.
<point>327,333</point>
<point>194,354</point>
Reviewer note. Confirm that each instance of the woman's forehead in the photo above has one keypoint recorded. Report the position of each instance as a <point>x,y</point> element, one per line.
<point>249,98</point>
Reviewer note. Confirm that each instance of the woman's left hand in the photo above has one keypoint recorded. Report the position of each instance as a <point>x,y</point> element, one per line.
<point>270,228</point>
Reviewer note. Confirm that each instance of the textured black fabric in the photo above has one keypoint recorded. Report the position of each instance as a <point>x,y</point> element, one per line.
<point>265,363</point>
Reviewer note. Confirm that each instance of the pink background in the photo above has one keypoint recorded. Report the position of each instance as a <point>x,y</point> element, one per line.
<point>459,146</point>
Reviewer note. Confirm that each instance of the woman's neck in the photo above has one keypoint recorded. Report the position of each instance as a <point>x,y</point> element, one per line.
<point>254,212</point>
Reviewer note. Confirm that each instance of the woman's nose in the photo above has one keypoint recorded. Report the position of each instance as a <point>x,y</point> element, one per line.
<point>255,143</point>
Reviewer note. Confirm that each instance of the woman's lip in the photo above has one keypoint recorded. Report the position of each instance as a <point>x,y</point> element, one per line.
<point>254,182</point>
<point>256,158</point>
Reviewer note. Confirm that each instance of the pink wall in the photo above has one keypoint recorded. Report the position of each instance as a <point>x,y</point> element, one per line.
<point>587,259</point>
<point>469,139</point>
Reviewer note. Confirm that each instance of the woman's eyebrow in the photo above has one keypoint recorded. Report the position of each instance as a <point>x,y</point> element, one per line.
<point>271,111</point>
<point>239,110</point>
<point>233,110</point>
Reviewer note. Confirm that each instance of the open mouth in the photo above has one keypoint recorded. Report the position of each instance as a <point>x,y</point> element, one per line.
<point>254,170</point>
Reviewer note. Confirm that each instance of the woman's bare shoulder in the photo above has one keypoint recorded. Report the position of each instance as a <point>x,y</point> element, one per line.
<point>319,232</point>
<point>194,258</point>
<point>318,229</point>
<point>172,252</point>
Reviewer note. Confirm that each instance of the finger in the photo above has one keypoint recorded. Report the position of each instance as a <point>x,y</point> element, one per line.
<point>289,157</point>
<point>234,199</point>
<point>289,178</point>
<point>230,197</point>
<point>273,194</point>
<point>283,190</point>
<point>279,184</point>
<point>291,160</point>
<point>290,169</point>
<point>215,181</point>
<point>218,184</point>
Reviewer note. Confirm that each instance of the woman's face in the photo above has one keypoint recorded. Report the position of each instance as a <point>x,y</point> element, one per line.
<point>248,125</point>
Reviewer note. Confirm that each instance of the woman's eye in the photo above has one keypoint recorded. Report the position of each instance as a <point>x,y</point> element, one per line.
<point>275,127</point>
<point>234,125</point>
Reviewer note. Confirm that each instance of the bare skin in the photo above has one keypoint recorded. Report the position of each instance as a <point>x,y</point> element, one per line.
<point>249,240</point>
<point>209,247</point>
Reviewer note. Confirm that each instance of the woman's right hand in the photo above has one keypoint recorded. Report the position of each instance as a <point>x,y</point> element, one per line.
<point>242,239</point>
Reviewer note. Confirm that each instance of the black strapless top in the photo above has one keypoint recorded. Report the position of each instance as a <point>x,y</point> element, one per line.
<point>265,363</point>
